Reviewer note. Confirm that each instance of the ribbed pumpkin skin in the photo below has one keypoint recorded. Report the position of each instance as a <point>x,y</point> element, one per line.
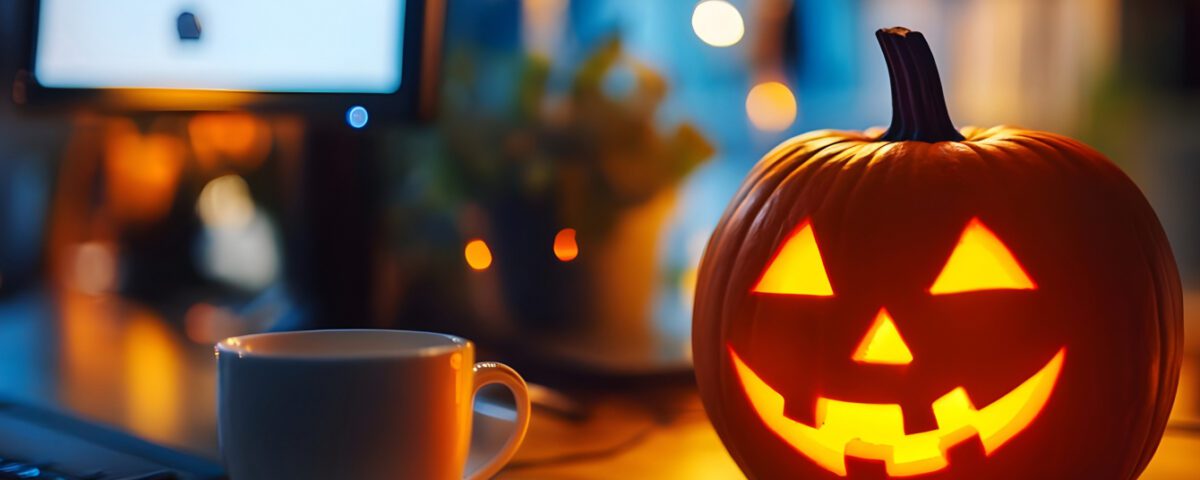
<point>886,216</point>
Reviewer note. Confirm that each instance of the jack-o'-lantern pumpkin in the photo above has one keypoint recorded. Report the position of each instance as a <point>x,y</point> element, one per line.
<point>990,303</point>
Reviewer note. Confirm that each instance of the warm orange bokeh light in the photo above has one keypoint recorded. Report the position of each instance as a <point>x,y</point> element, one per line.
<point>478,255</point>
<point>239,138</point>
<point>142,173</point>
<point>980,261</point>
<point>771,106</point>
<point>883,344</point>
<point>875,431</point>
<point>797,268</point>
<point>153,374</point>
<point>565,246</point>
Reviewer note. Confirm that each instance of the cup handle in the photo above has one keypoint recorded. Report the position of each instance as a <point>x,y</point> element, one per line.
<point>489,373</point>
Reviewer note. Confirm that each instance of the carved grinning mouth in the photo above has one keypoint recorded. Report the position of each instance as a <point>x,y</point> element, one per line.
<point>875,431</point>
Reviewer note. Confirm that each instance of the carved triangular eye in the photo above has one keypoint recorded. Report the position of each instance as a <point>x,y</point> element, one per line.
<point>980,261</point>
<point>797,268</point>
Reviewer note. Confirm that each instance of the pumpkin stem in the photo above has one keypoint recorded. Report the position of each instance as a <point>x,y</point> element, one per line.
<point>918,107</point>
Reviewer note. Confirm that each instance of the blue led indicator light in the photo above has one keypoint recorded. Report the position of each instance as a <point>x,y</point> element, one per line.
<point>357,116</point>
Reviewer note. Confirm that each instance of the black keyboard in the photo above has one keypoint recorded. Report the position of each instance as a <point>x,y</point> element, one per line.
<point>16,470</point>
<point>37,444</point>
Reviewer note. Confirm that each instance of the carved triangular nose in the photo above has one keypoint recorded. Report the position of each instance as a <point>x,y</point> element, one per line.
<point>883,344</point>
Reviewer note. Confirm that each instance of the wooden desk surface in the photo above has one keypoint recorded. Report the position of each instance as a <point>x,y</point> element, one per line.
<point>130,366</point>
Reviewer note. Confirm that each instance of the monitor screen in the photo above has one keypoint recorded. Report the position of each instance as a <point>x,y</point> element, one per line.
<point>293,46</point>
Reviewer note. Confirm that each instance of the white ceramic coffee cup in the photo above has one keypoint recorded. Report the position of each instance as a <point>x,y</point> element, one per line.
<point>355,404</point>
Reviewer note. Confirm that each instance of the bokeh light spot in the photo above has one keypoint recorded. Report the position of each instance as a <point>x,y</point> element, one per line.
<point>239,139</point>
<point>357,116</point>
<point>565,246</point>
<point>718,23</point>
<point>225,202</point>
<point>94,268</point>
<point>478,255</point>
<point>141,173</point>
<point>771,106</point>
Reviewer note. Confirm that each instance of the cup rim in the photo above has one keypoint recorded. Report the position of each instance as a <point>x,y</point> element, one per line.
<point>240,346</point>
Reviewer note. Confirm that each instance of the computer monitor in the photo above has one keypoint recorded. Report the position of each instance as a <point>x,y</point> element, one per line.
<point>298,55</point>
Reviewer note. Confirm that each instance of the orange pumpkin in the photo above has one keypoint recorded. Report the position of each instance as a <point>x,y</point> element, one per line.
<point>995,303</point>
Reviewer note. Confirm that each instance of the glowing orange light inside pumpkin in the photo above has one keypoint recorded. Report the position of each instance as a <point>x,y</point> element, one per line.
<point>478,255</point>
<point>980,261</point>
<point>876,431</point>
<point>565,247</point>
<point>797,268</point>
<point>883,344</point>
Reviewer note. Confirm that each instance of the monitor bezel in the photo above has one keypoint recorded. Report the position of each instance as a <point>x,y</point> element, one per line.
<point>414,100</point>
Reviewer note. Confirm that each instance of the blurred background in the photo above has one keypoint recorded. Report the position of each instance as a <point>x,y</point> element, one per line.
<point>554,208</point>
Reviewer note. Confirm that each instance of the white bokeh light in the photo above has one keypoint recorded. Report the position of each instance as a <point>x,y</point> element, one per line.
<point>718,23</point>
